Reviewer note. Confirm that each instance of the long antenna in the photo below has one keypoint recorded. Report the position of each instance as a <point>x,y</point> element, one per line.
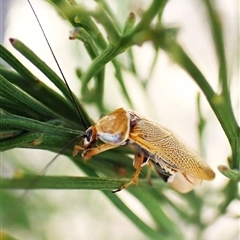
<point>43,171</point>
<point>12,212</point>
<point>56,61</point>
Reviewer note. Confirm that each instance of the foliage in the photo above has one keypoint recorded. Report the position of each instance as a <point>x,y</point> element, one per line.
<point>35,116</point>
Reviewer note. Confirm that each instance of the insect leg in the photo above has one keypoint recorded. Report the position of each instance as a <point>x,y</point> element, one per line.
<point>149,172</point>
<point>77,149</point>
<point>138,161</point>
<point>89,152</point>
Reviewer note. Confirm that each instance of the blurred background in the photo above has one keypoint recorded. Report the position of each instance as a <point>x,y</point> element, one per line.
<point>170,99</point>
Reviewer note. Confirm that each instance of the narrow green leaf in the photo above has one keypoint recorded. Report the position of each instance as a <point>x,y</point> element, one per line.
<point>52,76</point>
<point>149,232</point>
<point>217,35</point>
<point>23,181</point>
<point>25,101</point>
<point>165,225</point>
<point>37,89</point>
<point>229,173</point>
<point>34,125</point>
<point>18,141</point>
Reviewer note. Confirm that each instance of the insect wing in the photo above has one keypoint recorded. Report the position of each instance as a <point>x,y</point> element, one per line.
<point>168,150</point>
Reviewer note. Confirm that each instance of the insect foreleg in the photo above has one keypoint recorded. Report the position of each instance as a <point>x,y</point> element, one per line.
<point>77,149</point>
<point>89,152</point>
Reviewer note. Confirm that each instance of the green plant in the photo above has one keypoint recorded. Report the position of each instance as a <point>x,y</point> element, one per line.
<point>35,116</point>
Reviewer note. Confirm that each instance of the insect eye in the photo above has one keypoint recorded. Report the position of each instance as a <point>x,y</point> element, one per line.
<point>89,134</point>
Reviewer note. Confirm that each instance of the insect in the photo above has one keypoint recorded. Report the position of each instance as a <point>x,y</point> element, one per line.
<point>154,144</point>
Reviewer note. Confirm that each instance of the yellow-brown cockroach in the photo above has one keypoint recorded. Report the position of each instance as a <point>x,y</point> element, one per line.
<point>173,160</point>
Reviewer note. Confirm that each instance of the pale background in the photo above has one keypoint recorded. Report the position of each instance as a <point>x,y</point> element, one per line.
<point>171,102</point>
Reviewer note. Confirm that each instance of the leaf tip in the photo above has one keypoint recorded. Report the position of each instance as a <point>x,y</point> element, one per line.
<point>12,40</point>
